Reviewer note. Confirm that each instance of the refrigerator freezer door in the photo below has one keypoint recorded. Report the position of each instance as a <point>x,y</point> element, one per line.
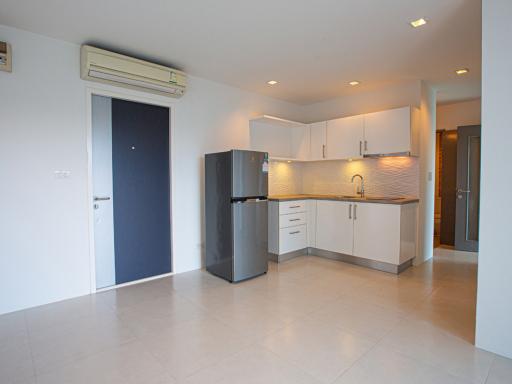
<point>250,256</point>
<point>250,174</point>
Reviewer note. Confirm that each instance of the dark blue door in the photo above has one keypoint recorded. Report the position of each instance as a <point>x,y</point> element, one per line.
<point>141,188</point>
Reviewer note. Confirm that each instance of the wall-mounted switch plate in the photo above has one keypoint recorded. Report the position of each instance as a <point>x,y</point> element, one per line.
<point>62,174</point>
<point>5,57</point>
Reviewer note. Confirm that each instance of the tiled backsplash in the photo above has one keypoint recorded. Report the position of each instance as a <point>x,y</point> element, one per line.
<point>387,176</point>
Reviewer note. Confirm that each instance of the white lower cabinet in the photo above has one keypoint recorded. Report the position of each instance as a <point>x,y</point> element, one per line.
<point>377,232</point>
<point>384,233</point>
<point>293,238</point>
<point>287,226</point>
<point>334,226</point>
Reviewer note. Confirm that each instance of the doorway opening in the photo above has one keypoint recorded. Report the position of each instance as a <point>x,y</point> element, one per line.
<point>130,184</point>
<point>457,197</point>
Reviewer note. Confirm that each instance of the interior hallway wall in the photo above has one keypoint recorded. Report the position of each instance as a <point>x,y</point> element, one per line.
<point>494,297</point>
<point>453,115</point>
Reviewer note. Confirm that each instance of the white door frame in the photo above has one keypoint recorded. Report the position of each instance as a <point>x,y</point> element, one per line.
<point>140,97</point>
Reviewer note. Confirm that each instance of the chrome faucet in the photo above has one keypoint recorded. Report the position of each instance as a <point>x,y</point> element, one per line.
<point>361,189</point>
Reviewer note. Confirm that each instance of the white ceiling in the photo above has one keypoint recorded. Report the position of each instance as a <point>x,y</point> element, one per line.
<point>313,48</point>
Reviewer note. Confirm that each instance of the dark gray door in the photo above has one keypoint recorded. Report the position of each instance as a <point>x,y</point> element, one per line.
<point>250,253</point>
<point>141,188</point>
<point>468,188</point>
<point>448,186</point>
<point>249,173</point>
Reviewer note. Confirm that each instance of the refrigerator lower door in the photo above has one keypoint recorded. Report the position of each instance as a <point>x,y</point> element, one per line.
<point>250,256</point>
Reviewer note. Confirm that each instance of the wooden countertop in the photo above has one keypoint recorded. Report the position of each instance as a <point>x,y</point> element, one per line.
<point>368,199</point>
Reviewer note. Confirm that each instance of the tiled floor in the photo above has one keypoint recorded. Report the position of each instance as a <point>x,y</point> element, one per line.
<point>309,320</point>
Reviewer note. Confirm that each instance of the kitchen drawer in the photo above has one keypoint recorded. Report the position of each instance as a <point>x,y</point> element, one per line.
<point>286,207</point>
<point>293,239</point>
<point>292,220</point>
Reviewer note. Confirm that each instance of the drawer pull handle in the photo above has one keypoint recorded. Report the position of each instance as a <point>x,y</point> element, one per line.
<point>295,206</point>
<point>294,232</point>
<point>293,219</point>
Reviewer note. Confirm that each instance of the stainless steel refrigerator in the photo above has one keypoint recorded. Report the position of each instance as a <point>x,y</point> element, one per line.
<point>236,188</point>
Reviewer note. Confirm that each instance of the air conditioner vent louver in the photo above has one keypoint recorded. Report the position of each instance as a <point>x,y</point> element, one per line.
<point>112,68</point>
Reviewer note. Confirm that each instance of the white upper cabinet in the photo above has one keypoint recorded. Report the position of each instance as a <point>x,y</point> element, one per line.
<point>334,226</point>
<point>345,137</point>
<point>390,131</point>
<point>318,132</point>
<point>281,138</point>
<point>300,146</point>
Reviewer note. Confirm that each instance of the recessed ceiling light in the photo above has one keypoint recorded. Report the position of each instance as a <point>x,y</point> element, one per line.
<point>355,82</point>
<point>272,82</point>
<point>462,71</point>
<point>418,23</point>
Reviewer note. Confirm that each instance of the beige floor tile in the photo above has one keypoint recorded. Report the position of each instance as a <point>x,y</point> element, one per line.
<point>323,352</point>
<point>127,364</point>
<point>385,366</point>
<point>501,371</point>
<point>254,365</point>
<point>309,314</point>
<point>427,343</point>
<point>153,316</point>
<point>16,359</point>
<point>12,325</point>
<point>63,312</point>
<point>348,313</point>
<point>194,345</point>
<point>82,337</point>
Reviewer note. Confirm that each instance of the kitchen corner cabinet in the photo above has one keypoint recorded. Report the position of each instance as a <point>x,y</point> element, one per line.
<point>391,131</point>
<point>345,137</point>
<point>318,140</point>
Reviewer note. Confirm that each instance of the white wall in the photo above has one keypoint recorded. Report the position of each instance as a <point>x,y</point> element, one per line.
<point>427,167</point>
<point>393,96</point>
<point>453,115</point>
<point>494,298</point>
<point>44,249</point>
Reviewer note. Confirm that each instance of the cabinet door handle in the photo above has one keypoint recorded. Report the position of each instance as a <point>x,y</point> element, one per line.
<point>360,148</point>
<point>293,219</point>
<point>323,151</point>
<point>295,206</point>
<point>294,233</point>
<point>365,146</point>
<point>355,211</point>
<point>350,211</point>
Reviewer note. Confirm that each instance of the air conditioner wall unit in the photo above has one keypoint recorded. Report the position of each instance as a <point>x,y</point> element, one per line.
<point>113,68</point>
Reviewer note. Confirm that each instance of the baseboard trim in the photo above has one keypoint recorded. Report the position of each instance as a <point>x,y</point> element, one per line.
<point>288,256</point>
<point>373,264</point>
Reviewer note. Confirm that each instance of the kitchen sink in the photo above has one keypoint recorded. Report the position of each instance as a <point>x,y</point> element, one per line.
<point>371,198</point>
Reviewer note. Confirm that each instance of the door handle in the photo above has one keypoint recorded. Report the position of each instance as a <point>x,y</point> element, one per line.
<point>360,148</point>
<point>293,219</point>
<point>294,232</point>
<point>355,211</point>
<point>96,198</point>
<point>366,146</point>
<point>463,191</point>
<point>323,151</point>
<point>350,211</point>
